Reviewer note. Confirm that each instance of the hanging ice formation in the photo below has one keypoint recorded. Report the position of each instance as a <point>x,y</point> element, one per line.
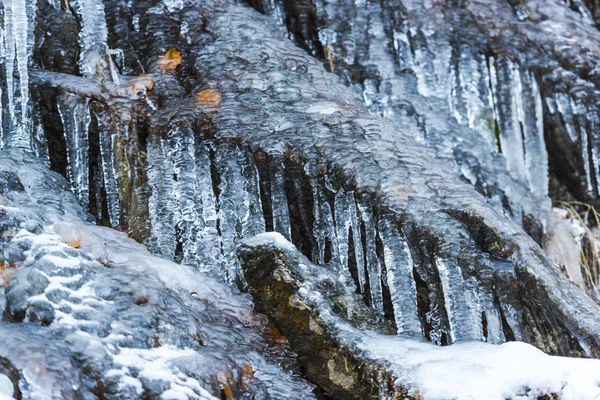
<point>16,37</point>
<point>206,196</point>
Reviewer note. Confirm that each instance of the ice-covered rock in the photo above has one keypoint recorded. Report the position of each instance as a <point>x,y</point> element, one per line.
<point>91,313</point>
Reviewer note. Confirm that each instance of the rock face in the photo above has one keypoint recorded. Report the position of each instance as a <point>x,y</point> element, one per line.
<point>347,352</point>
<point>194,125</point>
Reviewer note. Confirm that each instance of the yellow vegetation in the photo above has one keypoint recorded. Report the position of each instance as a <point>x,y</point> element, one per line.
<point>170,60</point>
<point>208,97</point>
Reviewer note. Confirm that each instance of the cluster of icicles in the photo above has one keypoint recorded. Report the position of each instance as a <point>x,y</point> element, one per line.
<point>207,197</point>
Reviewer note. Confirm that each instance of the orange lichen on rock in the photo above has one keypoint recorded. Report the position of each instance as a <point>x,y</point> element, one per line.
<point>227,392</point>
<point>75,243</point>
<point>71,234</point>
<point>6,272</point>
<point>208,97</point>
<point>170,60</point>
<point>247,376</point>
<point>137,84</point>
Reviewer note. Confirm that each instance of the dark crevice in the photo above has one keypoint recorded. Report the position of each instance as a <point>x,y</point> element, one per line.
<point>484,325</point>
<point>264,177</point>
<point>300,206</point>
<point>97,202</point>
<point>52,124</point>
<point>508,332</point>
<point>353,265</point>
<point>423,304</point>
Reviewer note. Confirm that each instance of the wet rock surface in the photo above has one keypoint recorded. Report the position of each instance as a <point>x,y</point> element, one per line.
<point>194,125</point>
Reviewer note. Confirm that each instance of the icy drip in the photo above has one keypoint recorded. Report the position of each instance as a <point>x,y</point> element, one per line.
<point>160,178</point>
<point>518,107</point>
<point>536,156</point>
<point>461,300</point>
<point>580,116</point>
<point>324,228</point>
<point>377,90</point>
<point>507,94</point>
<point>182,153</point>
<point>210,258</point>
<point>75,116</point>
<point>473,97</point>
<point>237,216</point>
<point>346,224</point>
<point>430,63</point>
<point>17,43</point>
<point>107,137</point>
<point>592,115</point>
<point>253,221</point>
<point>281,214</point>
<point>399,273</point>
<point>495,332</point>
<point>372,261</point>
<point>92,35</point>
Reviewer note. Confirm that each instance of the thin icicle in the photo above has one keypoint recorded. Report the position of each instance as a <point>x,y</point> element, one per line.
<point>182,153</point>
<point>17,35</point>
<point>532,123</point>
<point>399,266</point>
<point>462,305</point>
<point>107,135</point>
<point>160,178</point>
<point>233,207</point>
<point>508,101</point>
<point>253,221</point>
<point>210,258</point>
<point>281,213</point>
<point>373,266</point>
<point>75,116</point>
<point>324,228</point>
<point>92,35</point>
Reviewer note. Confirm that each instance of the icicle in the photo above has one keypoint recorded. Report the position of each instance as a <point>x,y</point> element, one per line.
<point>182,154</point>
<point>281,213</point>
<point>92,35</point>
<point>107,135</point>
<point>474,81</point>
<point>373,265</point>
<point>345,221</point>
<point>580,115</point>
<point>495,332</point>
<point>240,210</point>
<point>359,254</point>
<point>210,258</point>
<point>532,123</point>
<point>75,115</point>
<point>513,318</point>
<point>160,178</point>
<point>17,44</point>
<point>233,214</point>
<point>462,304</point>
<point>399,266</point>
<point>507,92</point>
<point>324,228</point>
<point>253,221</point>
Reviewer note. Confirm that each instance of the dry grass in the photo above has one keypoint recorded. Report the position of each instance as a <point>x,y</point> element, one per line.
<point>587,215</point>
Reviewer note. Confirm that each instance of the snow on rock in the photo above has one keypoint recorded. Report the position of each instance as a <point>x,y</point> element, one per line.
<point>464,370</point>
<point>481,371</point>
